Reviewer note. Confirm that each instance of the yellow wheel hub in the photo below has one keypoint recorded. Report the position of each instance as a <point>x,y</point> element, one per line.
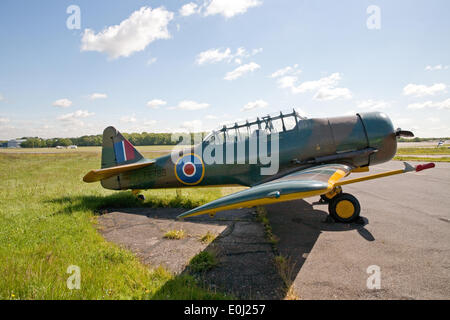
<point>345,209</point>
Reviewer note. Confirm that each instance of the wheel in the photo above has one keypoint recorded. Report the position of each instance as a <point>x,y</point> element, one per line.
<point>141,197</point>
<point>344,208</point>
<point>326,198</point>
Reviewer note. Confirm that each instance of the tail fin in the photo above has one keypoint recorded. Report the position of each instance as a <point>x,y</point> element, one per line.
<point>117,150</point>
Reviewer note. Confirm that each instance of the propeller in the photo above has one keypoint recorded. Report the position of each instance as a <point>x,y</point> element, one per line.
<point>403,133</point>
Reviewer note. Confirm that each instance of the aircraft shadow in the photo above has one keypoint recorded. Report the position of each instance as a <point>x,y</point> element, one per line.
<point>247,265</point>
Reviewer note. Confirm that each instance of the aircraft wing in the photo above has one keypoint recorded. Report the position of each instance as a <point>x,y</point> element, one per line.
<point>301,184</point>
<point>100,174</point>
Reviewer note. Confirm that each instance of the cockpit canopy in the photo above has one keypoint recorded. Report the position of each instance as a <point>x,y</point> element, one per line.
<point>239,131</point>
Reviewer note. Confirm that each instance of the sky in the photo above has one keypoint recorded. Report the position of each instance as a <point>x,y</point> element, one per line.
<point>72,68</point>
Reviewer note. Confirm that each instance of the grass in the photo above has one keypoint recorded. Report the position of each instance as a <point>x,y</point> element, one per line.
<point>203,261</point>
<point>285,267</point>
<point>424,151</point>
<point>208,237</point>
<point>262,217</point>
<point>175,234</point>
<point>47,223</point>
<point>423,159</point>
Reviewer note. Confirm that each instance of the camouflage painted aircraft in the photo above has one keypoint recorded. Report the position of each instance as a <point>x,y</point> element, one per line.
<point>314,155</point>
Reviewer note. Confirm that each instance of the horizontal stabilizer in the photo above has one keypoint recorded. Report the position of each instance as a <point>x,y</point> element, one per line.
<point>100,174</point>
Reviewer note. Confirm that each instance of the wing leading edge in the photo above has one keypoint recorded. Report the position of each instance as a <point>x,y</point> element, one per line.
<point>301,184</point>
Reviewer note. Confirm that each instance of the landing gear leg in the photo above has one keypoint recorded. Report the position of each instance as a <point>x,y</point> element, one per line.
<point>344,208</point>
<point>326,198</point>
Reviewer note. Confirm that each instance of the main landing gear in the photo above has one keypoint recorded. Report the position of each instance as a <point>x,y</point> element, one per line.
<point>342,207</point>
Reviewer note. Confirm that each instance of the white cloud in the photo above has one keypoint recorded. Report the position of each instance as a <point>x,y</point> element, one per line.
<point>151,61</point>
<point>75,117</point>
<point>230,8</point>
<point>156,103</point>
<point>241,70</point>
<point>286,70</point>
<point>213,56</point>
<point>128,119</point>
<point>62,103</point>
<point>324,82</point>
<point>420,105</point>
<point>191,105</point>
<point>131,35</point>
<point>290,82</point>
<point>436,67</point>
<point>255,104</point>
<point>188,9</point>
<point>256,51</point>
<point>325,87</point>
<point>1,97</point>
<point>332,94</point>
<point>210,117</point>
<point>419,90</point>
<point>373,104</point>
<point>287,82</point>
<point>95,96</point>
<point>445,104</point>
<point>217,55</point>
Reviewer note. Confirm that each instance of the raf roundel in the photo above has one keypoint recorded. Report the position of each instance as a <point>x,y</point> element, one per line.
<point>189,169</point>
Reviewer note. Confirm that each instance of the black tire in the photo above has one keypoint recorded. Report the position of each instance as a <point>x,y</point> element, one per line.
<point>141,197</point>
<point>340,208</point>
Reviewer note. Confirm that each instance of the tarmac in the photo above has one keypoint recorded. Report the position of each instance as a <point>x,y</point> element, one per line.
<point>404,234</point>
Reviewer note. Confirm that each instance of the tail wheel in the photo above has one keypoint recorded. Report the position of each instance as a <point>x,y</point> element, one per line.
<point>344,208</point>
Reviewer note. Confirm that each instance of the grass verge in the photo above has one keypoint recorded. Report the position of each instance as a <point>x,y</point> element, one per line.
<point>424,151</point>
<point>46,225</point>
<point>423,159</point>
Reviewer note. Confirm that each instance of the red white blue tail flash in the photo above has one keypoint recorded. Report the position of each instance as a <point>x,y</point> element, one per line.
<point>124,151</point>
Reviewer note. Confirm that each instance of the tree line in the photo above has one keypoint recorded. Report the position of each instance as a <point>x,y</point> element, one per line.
<point>137,139</point>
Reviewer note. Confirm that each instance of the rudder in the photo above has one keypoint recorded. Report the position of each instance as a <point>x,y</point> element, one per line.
<point>116,150</point>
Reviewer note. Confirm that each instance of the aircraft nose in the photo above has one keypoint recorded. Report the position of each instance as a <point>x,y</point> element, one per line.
<point>380,135</point>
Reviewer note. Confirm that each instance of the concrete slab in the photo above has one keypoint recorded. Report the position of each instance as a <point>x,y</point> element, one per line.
<point>245,268</point>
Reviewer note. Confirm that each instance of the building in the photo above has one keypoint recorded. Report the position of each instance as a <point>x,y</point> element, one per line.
<point>15,143</point>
